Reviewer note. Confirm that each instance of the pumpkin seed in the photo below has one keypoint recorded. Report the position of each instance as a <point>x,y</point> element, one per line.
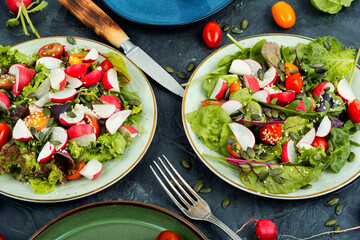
<point>190,67</point>
<point>278,179</point>
<point>261,74</point>
<point>337,228</point>
<point>263,175</point>
<point>231,141</point>
<point>134,102</point>
<point>332,201</point>
<point>30,95</point>
<point>50,122</point>
<point>182,75</point>
<point>237,30</point>
<point>294,136</point>
<point>321,76</point>
<point>330,146</point>
<point>274,113</point>
<point>49,104</point>
<point>244,155</point>
<point>282,66</point>
<point>282,115</point>
<point>225,203</point>
<point>320,70</point>
<point>127,136</point>
<point>71,114</point>
<point>41,136</point>
<point>227,93</point>
<point>339,208</point>
<point>226,27</point>
<point>234,114</point>
<point>282,77</point>
<point>244,24</point>
<point>71,40</point>
<point>317,98</point>
<point>250,152</point>
<point>276,172</point>
<point>185,164</point>
<point>92,87</point>
<point>239,118</point>
<point>282,87</point>
<point>198,186</point>
<point>327,45</point>
<point>268,113</point>
<point>317,157</point>
<point>56,142</point>
<point>351,157</point>
<point>255,117</point>
<point>33,130</point>
<point>206,190</point>
<point>46,112</point>
<point>169,69</point>
<point>331,222</point>
<point>293,71</point>
<point>307,186</point>
<point>317,65</point>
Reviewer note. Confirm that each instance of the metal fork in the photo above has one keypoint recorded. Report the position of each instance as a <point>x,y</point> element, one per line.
<point>192,206</point>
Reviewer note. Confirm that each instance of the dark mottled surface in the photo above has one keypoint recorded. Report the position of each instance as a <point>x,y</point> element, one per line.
<point>176,48</point>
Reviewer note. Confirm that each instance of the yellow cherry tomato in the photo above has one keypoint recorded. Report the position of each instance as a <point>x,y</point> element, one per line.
<point>289,67</point>
<point>283,14</point>
<point>77,58</point>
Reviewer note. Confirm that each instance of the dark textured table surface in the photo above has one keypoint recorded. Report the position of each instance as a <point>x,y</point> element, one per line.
<point>176,48</point>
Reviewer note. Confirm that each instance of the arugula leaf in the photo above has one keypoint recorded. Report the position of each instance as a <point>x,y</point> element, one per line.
<point>288,54</point>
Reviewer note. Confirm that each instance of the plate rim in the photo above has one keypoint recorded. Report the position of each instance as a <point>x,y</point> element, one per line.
<point>169,213</point>
<point>119,177</point>
<point>222,176</point>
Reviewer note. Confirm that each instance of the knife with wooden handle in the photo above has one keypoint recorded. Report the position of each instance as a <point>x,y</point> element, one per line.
<point>98,21</point>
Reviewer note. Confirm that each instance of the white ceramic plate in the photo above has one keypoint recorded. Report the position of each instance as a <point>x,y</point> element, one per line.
<point>195,93</point>
<point>113,170</point>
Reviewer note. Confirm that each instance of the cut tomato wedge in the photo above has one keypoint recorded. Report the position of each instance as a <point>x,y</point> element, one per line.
<point>74,174</point>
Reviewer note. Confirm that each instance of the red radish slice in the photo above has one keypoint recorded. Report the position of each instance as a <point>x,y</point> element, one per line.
<point>128,129</point>
<point>92,169</point>
<point>301,106</point>
<point>21,132</point>
<point>110,80</point>
<point>85,110</point>
<point>319,90</point>
<point>57,79</point>
<point>219,89</point>
<point>345,91</point>
<point>231,106</point>
<point>5,100</point>
<point>116,120</point>
<point>43,100</point>
<point>60,134</point>
<point>83,134</point>
<point>288,153</point>
<point>46,152</point>
<point>92,77</point>
<point>254,66</point>
<point>251,82</point>
<point>68,121</point>
<point>49,62</point>
<point>244,135</point>
<point>16,65</point>
<point>63,96</point>
<point>308,137</point>
<point>81,122</point>
<point>324,127</point>
<point>305,145</point>
<point>91,56</point>
<point>76,70</point>
<point>73,82</point>
<point>269,78</point>
<point>23,77</point>
<point>110,99</point>
<point>104,110</point>
<point>240,67</point>
<point>283,98</point>
<point>262,96</point>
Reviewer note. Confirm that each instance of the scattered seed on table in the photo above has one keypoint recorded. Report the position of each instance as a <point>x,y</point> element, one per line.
<point>198,186</point>
<point>337,227</point>
<point>226,27</point>
<point>331,222</point>
<point>169,69</point>
<point>71,40</point>
<point>185,164</point>
<point>236,30</point>
<point>225,203</point>
<point>205,190</point>
<point>338,209</point>
<point>332,201</point>
<point>190,67</point>
<point>182,75</point>
<point>244,24</point>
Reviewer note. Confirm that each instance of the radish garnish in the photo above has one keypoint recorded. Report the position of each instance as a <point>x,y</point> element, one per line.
<point>46,152</point>
<point>265,229</point>
<point>104,110</point>
<point>21,131</point>
<point>126,129</point>
<point>92,169</point>
<point>231,106</point>
<point>5,100</point>
<point>110,80</point>
<point>240,67</point>
<point>324,127</point>
<point>76,70</point>
<point>91,56</point>
<point>92,77</point>
<point>49,62</point>
<point>57,79</point>
<point>219,89</point>
<point>116,120</point>
<point>244,135</point>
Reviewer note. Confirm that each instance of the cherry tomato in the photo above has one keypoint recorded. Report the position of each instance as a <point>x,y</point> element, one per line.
<point>74,174</point>
<point>51,50</point>
<point>289,67</point>
<point>168,235</point>
<point>283,14</point>
<point>36,120</point>
<point>212,34</point>
<point>235,86</point>
<point>234,150</point>
<point>271,133</point>
<point>106,65</point>
<point>4,134</point>
<point>354,110</point>
<point>294,82</point>
<point>211,102</point>
<point>92,121</point>
<point>77,58</point>
<point>319,142</point>
<point>7,81</point>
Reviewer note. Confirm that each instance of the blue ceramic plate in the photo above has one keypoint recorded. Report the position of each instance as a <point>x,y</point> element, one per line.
<point>166,12</point>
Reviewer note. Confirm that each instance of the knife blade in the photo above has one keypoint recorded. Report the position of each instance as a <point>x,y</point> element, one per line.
<point>98,21</point>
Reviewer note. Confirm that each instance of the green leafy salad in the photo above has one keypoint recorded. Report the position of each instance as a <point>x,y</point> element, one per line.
<point>63,114</point>
<point>281,115</point>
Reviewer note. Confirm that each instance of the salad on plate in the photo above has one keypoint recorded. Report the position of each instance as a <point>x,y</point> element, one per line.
<point>281,115</point>
<point>64,112</point>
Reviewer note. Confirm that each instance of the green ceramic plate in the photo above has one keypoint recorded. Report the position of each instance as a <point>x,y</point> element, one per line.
<point>117,220</point>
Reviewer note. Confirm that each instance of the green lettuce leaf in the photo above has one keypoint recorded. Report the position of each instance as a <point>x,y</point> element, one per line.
<point>243,96</point>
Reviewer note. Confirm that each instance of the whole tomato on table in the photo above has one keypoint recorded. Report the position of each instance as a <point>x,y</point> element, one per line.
<point>283,14</point>
<point>212,34</point>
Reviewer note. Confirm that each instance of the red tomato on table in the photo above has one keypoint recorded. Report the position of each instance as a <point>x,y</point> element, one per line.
<point>168,235</point>
<point>283,14</point>
<point>212,34</point>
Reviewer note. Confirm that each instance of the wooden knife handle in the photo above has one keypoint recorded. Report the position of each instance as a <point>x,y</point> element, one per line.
<point>97,20</point>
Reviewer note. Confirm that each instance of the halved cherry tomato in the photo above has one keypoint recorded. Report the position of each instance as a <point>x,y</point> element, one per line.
<point>51,50</point>
<point>211,102</point>
<point>354,111</point>
<point>7,81</point>
<point>77,58</point>
<point>74,174</point>
<point>283,14</point>
<point>234,150</point>
<point>36,120</point>
<point>106,65</point>
<point>235,86</point>
<point>294,82</point>
<point>212,34</point>
<point>168,235</point>
<point>271,133</point>
<point>4,134</point>
<point>319,142</point>
<point>92,121</point>
<point>289,67</point>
